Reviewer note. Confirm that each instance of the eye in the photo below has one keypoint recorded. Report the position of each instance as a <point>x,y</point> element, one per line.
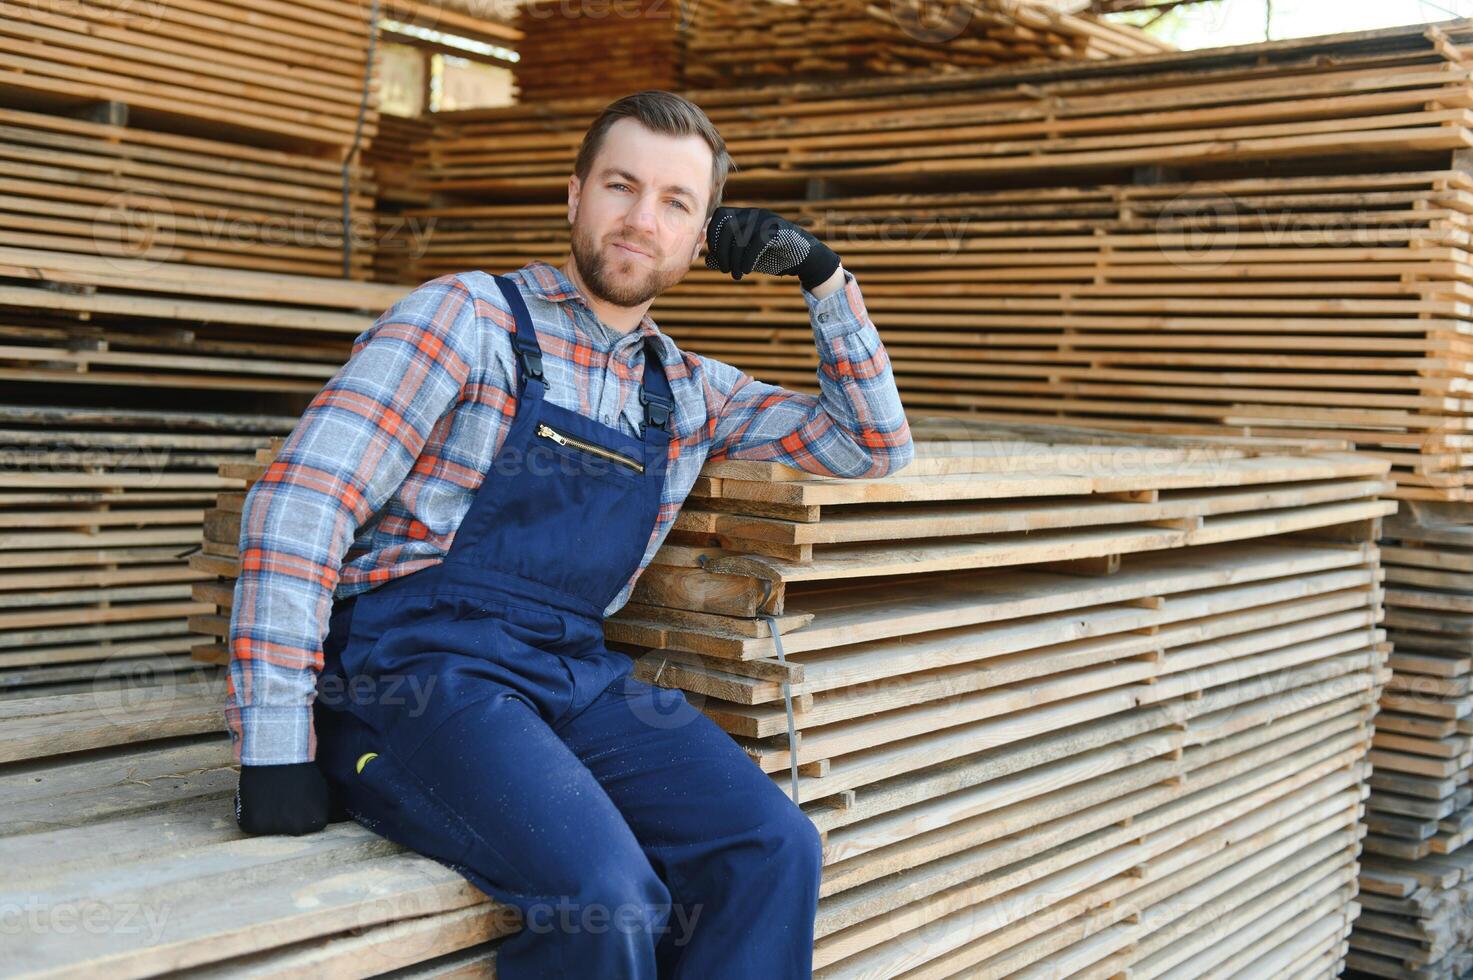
<point>619,185</point>
<point>681,205</point>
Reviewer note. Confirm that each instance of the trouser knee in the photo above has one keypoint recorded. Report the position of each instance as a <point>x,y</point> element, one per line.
<point>618,903</point>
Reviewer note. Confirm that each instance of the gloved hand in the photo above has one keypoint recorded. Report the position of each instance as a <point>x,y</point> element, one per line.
<point>743,240</point>
<point>291,798</point>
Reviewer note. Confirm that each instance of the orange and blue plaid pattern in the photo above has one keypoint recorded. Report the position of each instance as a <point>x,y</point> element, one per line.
<point>382,466</point>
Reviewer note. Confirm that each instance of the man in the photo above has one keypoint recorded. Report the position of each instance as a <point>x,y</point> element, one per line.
<point>417,630</point>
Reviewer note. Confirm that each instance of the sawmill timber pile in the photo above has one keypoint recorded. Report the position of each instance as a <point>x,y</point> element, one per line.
<point>731,43</point>
<point>672,44</point>
<point>1065,700</point>
<point>1270,240</point>
<point>568,50</point>
<point>1101,685</point>
<point>132,383</point>
<point>1417,869</point>
<point>286,74</point>
<point>121,191</point>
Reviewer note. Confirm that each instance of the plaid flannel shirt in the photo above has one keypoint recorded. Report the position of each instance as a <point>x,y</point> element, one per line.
<point>378,473</point>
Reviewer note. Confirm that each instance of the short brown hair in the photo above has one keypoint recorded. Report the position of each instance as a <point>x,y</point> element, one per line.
<point>663,112</point>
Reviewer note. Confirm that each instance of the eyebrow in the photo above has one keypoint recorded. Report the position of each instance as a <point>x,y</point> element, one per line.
<point>674,188</point>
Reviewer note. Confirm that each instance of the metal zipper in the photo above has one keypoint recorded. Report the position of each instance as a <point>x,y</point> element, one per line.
<point>547,432</point>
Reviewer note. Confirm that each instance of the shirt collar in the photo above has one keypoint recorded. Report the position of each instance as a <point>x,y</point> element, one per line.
<point>551,283</point>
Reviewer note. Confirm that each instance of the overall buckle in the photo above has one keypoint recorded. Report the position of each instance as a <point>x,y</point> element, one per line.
<point>657,409</point>
<point>531,364</point>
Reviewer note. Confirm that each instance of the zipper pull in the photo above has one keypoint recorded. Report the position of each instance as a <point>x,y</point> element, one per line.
<point>543,430</point>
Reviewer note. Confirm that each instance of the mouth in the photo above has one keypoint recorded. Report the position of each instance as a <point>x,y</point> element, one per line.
<point>631,249</point>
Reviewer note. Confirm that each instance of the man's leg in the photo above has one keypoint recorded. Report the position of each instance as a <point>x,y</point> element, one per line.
<point>487,788</point>
<point>742,862</point>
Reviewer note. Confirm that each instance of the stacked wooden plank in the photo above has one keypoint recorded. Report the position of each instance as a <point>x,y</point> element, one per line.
<point>583,49</point>
<point>100,188</point>
<point>1380,93</point>
<point>129,384</point>
<point>928,684</point>
<point>1273,306</point>
<point>395,161</point>
<point>1064,701</point>
<point>396,158</point>
<point>1418,869</point>
<point>733,44</point>
<point>1101,307</point>
<point>279,74</point>
<point>1026,255</point>
<point>128,838</point>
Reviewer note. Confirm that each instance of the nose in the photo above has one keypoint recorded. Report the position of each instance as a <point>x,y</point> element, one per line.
<point>641,216</point>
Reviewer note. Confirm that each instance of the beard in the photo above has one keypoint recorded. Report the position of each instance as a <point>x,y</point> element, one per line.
<point>617,278</point>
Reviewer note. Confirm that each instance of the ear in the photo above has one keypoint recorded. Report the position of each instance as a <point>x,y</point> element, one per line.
<point>574,191</point>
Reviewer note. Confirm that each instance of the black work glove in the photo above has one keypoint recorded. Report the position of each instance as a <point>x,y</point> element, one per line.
<point>291,798</point>
<point>743,240</point>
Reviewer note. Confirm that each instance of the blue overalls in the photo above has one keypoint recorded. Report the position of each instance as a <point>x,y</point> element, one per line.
<point>472,712</point>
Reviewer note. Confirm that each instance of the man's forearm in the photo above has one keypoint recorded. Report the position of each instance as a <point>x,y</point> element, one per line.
<point>831,284</point>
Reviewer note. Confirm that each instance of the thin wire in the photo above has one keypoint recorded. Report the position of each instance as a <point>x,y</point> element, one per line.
<point>777,642</point>
<point>353,149</point>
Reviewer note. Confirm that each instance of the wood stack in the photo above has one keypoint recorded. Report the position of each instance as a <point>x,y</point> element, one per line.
<point>929,685</point>
<point>119,191</point>
<point>714,44</point>
<point>1375,95</point>
<point>1065,701</point>
<point>110,475</point>
<point>396,161</point>
<point>1418,869</point>
<point>569,50</point>
<point>1265,241</point>
<point>736,44</point>
<point>1301,267</point>
<point>289,75</point>
<point>396,158</point>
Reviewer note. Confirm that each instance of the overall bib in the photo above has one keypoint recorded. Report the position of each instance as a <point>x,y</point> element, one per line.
<point>472,712</point>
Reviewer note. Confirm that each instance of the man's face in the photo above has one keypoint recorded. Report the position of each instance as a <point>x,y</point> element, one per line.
<point>639,220</point>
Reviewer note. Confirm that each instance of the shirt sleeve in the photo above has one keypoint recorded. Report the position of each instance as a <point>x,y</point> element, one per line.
<point>854,427</point>
<point>350,450</point>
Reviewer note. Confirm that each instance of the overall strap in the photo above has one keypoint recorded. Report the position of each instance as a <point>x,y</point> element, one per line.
<point>654,391</point>
<point>525,335</point>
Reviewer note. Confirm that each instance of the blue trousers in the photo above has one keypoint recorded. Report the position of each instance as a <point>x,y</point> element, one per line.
<point>634,836</point>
